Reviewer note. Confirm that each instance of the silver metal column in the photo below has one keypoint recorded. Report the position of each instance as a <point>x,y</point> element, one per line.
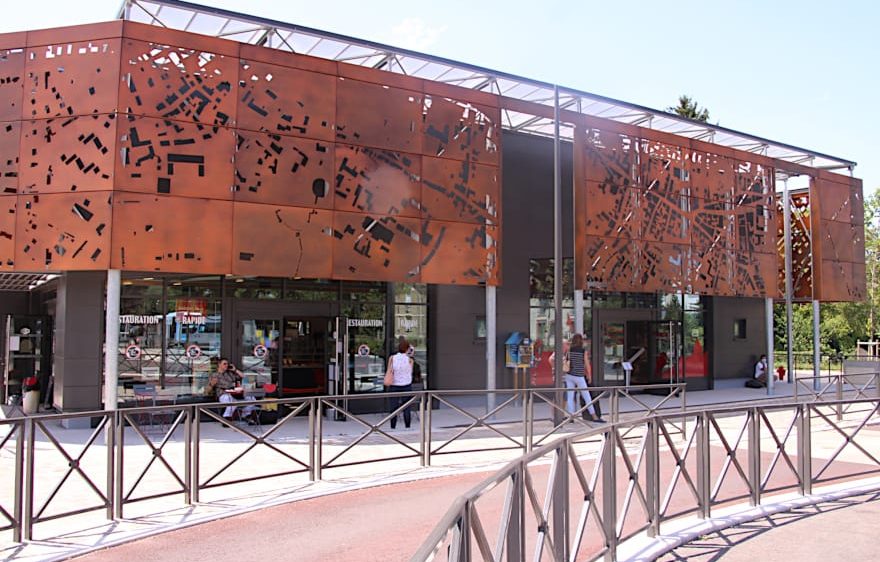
<point>786,221</point>
<point>557,254</point>
<point>111,340</point>
<point>491,346</point>
<point>768,312</point>
<point>579,310</point>
<point>817,350</point>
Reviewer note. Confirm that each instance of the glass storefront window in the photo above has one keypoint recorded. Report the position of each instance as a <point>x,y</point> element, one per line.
<point>254,288</point>
<point>696,356</point>
<point>363,291</point>
<point>313,290</point>
<point>366,346</point>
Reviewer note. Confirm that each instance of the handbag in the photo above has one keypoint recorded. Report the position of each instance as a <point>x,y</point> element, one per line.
<point>566,364</point>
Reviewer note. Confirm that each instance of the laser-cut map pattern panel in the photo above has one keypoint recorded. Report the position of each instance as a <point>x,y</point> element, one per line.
<point>175,158</point>
<point>178,83</point>
<point>695,221</point>
<point>282,241</point>
<point>283,170</point>
<point>63,231</point>
<point>10,143</point>
<point>172,234</point>
<point>286,101</point>
<point>66,154</point>
<point>182,126</point>
<point>377,182</point>
<point>839,241</point>
<point>11,83</point>
<point>7,232</point>
<point>72,79</point>
<point>801,247</point>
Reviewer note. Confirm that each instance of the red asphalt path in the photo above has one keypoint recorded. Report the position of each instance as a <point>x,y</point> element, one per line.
<point>381,523</point>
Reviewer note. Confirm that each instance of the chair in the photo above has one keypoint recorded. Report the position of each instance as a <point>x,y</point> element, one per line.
<point>146,395</point>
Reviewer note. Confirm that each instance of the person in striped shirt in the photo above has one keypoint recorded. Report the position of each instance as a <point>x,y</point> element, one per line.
<point>576,377</point>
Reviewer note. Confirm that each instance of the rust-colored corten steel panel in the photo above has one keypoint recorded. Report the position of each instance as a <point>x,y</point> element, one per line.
<point>380,117</point>
<point>612,210</point>
<point>67,154</point>
<point>11,83</point>
<point>376,181</point>
<point>461,131</point>
<point>175,158</point>
<point>7,232</point>
<point>283,170</point>
<point>801,247</point>
<point>172,234</point>
<point>376,247</point>
<point>69,79</point>
<point>462,191</point>
<point>183,84</point>
<point>838,239</point>
<point>63,231</point>
<point>707,211</point>
<point>285,101</point>
<point>282,241</point>
<point>10,143</point>
<point>459,253</point>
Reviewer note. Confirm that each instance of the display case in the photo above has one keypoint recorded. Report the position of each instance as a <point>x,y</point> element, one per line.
<point>26,352</point>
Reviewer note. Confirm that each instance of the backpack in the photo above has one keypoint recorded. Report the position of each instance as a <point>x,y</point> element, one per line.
<point>754,383</point>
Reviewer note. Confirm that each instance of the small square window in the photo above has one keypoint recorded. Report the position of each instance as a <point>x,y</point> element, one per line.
<point>480,328</point>
<point>739,329</point>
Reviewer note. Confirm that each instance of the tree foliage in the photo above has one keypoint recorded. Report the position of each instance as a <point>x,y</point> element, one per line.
<point>688,107</point>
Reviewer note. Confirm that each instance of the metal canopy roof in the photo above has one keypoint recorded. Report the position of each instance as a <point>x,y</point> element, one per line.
<point>23,281</point>
<point>254,30</point>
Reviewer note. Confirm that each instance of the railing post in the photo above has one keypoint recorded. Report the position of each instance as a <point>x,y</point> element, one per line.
<point>515,538</point>
<point>187,456</point>
<point>118,482</point>
<point>652,476</point>
<point>422,457</point>
<point>316,428</point>
<point>464,527</point>
<point>428,433</point>
<point>615,405</point>
<point>704,476</point>
<point>529,415</point>
<point>560,501</point>
<point>839,397</point>
<point>27,525</point>
<point>110,434</point>
<point>684,411</point>
<point>754,457</point>
<point>804,452</point>
<point>609,494</point>
<point>19,484</point>
<point>196,449</point>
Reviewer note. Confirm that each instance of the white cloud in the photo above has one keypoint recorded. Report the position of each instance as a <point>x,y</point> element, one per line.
<point>415,34</point>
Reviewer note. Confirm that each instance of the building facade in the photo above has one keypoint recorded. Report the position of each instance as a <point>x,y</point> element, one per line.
<point>297,214</point>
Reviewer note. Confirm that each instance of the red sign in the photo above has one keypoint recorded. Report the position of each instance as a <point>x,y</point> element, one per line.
<point>191,311</point>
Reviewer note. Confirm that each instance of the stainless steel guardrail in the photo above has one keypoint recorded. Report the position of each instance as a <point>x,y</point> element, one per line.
<point>581,496</point>
<point>114,460</point>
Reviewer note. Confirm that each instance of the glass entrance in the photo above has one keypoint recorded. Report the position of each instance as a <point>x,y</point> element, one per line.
<point>258,351</point>
<point>307,347</point>
<point>631,340</point>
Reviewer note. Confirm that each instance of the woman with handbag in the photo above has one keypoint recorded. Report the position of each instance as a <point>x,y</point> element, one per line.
<point>398,378</point>
<point>576,377</point>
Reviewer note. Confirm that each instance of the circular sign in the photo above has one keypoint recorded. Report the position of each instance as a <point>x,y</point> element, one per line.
<point>363,350</point>
<point>132,352</point>
<point>260,351</point>
<point>193,351</point>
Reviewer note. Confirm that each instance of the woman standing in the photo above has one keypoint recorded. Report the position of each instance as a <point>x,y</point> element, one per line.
<point>399,374</point>
<point>576,377</point>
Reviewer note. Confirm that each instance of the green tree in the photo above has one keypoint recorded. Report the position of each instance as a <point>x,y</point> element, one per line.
<point>688,107</point>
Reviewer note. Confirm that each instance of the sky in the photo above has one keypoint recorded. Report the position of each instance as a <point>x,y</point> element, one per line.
<point>800,72</point>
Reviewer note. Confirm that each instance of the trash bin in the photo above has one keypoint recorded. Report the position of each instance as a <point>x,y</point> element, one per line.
<point>31,389</point>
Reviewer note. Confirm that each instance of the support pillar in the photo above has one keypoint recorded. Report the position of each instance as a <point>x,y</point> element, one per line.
<point>491,347</point>
<point>786,222</point>
<point>558,380</point>
<point>111,340</point>
<point>817,348</point>
<point>579,311</point>
<point>768,312</point>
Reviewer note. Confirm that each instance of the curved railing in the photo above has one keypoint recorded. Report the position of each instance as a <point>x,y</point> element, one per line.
<point>119,460</point>
<point>582,496</point>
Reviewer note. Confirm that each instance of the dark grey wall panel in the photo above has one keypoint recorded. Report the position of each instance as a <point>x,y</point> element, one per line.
<point>736,357</point>
<point>527,232</point>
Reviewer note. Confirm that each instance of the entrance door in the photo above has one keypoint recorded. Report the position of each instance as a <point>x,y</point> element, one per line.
<point>308,348</point>
<point>258,351</point>
<point>620,336</point>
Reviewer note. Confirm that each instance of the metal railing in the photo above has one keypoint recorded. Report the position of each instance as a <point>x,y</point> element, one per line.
<point>836,387</point>
<point>135,455</point>
<point>582,496</point>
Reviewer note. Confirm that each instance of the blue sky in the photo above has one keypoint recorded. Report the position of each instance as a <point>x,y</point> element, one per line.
<point>799,72</point>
